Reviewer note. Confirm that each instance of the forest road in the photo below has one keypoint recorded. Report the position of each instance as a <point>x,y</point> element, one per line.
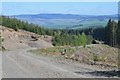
<point>21,63</point>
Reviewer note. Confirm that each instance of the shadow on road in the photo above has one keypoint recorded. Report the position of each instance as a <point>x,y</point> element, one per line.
<point>112,73</point>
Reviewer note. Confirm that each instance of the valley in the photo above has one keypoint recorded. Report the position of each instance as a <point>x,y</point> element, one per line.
<point>59,40</point>
<point>67,21</point>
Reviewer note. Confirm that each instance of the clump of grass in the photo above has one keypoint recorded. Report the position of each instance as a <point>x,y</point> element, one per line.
<point>102,54</point>
<point>95,57</point>
<point>55,51</point>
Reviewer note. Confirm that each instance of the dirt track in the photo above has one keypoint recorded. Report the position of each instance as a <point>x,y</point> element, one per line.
<point>22,64</point>
<point>17,62</point>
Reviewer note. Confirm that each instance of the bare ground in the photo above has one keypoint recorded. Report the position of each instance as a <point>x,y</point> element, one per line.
<point>18,62</point>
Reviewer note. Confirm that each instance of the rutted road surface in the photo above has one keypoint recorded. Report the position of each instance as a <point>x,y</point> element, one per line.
<point>20,63</point>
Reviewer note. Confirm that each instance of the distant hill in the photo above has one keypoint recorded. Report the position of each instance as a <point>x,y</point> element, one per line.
<point>67,20</point>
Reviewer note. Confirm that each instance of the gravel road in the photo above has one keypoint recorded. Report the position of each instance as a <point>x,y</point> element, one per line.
<point>20,63</point>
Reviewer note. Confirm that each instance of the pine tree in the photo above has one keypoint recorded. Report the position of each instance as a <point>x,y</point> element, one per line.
<point>118,34</point>
<point>83,39</point>
<point>110,31</point>
<point>113,33</point>
<point>107,32</point>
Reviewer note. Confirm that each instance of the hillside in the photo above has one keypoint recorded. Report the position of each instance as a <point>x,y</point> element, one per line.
<point>51,61</point>
<point>22,39</point>
<point>63,21</point>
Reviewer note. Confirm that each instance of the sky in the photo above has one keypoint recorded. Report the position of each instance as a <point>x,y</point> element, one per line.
<point>60,0</point>
<point>80,8</point>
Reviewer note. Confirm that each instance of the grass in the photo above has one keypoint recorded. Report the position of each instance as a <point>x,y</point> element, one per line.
<point>63,23</point>
<point>99,53</point>
<point>2,49</point>
<point>103,53</point>
<point>55,51</point>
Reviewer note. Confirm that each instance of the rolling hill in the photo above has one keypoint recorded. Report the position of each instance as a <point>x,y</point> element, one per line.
<point>63,21</point>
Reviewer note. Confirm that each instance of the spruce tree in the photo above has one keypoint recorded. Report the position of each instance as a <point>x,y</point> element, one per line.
<point>83,39</point>
<point>118,34</point>
<point>110,32</point>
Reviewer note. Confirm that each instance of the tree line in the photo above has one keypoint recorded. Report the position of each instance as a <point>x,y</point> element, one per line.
<point>60,36</point>
<point>73,40</point>
<point>112,33</point>
<point>74,37</point>
<point>24,25</point>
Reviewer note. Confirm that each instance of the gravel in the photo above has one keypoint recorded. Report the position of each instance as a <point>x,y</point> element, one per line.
<point>20,63</point>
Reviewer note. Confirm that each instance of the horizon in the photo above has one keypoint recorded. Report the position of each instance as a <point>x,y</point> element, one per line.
<point>63,14</point>
<point>75,8</point>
